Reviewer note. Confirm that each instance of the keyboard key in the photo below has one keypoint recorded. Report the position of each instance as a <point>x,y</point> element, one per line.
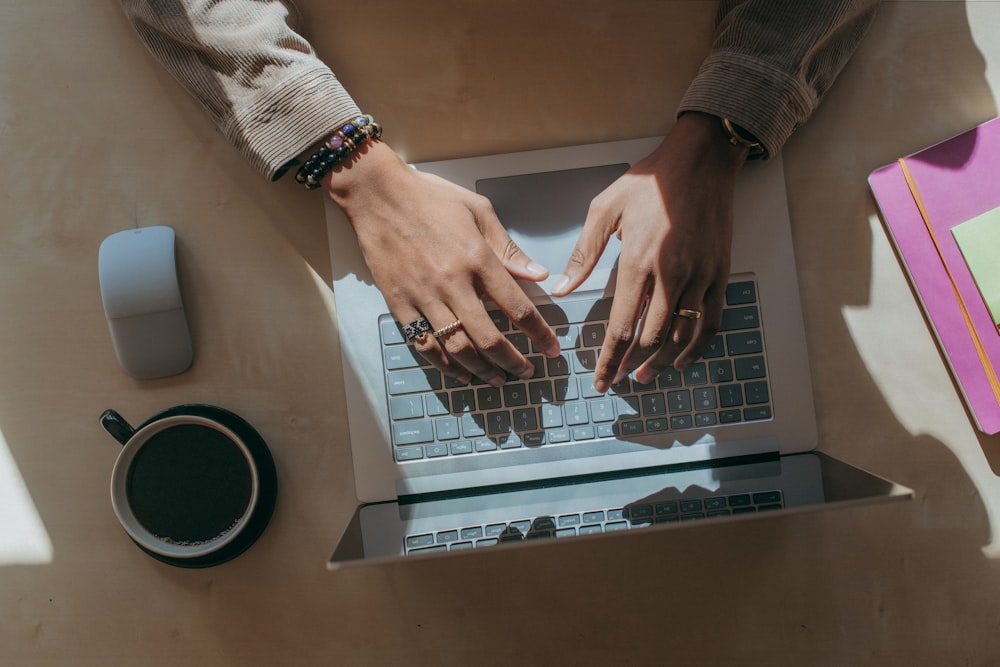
<point>704,399</point>
<point>541,392</point>
<point>568,337</point>
<point>729,416</point>
<point>757,413</point>
<point>551,416</point>
<point>576,414</point>
<point>744,317</point>
<point>536,439</point>
<point>437,405</point>
<point>488,398</point>
<point>446,428</point>
<point>715,503</point>
<point>498,423</point>
<point>695,375</point>
<point>653,405</point>
<point>520,342</point>
<point>602,410</point>
<point>632,428</point>
<point>473,533</point>
<point>665,507</point>
<point>657,424</point>
<point>592,335</point>
<point>409,453</point>
<point>679,401</point>
<point>670,379</point>
<point>715,349</point>
<point>461,447</point>
<point>566,389</point>
<point>756,392</point>
<point>447,536</point>
<point>593,517</point>
<point>414,380</point>
<point>436,450</point>
<point>459,546</point>
<point>557,435</point>
<point>694,505</point>
<point>406,407</point>
<point>558,366</point>
<point>515,395</point>
<point>495,529</point>
<point>500,321</point>
<point>681,421</point>
<point>391,332</point>
<point>583,433</point>
<point>418,541</point>
<point>616,514</point>
<point>569,520</point>
<point>744,342</point>
<point>524,419</point>
<point>591,529</point>
<point>484,445</point>
<point>473,425</point>
<point>412,432</point>
<point>584,361</point>
<point>720,371</point>
<point>741,292</point>
<point>767,497</point>
<point>749,368</point>
<point>397,357</point>
<point>705,419</point>
<point>730,395</point>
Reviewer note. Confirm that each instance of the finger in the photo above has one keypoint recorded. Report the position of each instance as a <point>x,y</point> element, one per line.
<point>523,314</point>
<point>652,337</point>
<point>590,245</point>
<point>626,308</point>
<point>515,260</point>
<point>486,351</point>
<point>425,345</point>
<point>706,327</point>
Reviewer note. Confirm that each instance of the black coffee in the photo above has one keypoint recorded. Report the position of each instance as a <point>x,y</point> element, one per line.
<point>189,484</point>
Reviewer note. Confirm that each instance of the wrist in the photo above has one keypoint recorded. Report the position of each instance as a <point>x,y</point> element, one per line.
<point>706,136</point>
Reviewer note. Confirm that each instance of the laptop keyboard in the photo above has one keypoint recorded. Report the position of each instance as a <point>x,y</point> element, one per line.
<point>636,515</point>
<point>432,416</point>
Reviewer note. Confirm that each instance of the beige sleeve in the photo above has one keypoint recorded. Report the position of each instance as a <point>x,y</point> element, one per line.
<point>260,81</point>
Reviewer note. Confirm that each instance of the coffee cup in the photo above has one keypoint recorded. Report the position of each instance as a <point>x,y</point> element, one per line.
<point>193,486</point>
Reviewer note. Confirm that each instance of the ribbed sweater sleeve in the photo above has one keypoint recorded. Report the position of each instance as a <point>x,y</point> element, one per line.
<point>772,61</point>
<point>259,80</point>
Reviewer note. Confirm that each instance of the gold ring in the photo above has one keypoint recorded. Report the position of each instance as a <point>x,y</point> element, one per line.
<point>688,313</point>
<point>445,330</point>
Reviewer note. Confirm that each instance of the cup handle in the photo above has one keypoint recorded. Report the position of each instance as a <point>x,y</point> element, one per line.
<point>115,424</point>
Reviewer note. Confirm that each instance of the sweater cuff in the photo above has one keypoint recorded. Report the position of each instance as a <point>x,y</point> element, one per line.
<point>762,100</point>
<point>290,118</point>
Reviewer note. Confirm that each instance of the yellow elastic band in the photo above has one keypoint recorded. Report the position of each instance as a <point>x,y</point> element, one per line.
<point>980,350</point>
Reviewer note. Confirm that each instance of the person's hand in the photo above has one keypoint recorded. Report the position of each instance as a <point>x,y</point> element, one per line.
<point>435,249</point>
<point>673,212</point>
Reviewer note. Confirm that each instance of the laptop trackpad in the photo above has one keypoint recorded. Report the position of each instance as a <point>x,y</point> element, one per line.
<point>544,214</point>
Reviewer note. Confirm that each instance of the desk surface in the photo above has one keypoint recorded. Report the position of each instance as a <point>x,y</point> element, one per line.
<point>97,138</point>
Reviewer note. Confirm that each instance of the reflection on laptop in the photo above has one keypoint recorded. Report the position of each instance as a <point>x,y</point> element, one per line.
<point>443,467</point>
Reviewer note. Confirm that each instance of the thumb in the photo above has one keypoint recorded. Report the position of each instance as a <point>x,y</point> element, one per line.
<point>586,253</point>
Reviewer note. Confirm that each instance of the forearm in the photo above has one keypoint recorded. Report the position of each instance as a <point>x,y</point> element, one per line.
<point>772,61</point>
<point>259,80</point>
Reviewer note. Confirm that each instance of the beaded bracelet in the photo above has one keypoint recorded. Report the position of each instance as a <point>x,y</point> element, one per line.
<point>337,148</point>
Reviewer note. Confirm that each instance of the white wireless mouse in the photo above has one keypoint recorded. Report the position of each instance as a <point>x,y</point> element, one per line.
<point>142,301</point>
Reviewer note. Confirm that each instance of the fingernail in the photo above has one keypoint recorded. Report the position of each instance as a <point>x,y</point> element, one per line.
<point>497,380</point>
<point>536,270</point>
<point>601,386</point>
<point>560,283</point>
<point>642,377</point>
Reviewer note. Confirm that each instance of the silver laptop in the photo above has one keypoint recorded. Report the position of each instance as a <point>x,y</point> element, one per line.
<point>442,468</point>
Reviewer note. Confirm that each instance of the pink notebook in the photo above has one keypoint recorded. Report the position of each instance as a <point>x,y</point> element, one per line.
<point>956,180</point>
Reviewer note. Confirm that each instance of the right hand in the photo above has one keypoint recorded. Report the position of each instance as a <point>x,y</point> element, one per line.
<point>434,249</point>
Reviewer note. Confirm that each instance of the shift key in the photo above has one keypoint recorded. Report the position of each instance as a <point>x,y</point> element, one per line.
<point>414,380</point>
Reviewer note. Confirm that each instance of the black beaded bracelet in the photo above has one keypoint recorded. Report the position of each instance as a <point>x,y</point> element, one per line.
<point>337,148</point>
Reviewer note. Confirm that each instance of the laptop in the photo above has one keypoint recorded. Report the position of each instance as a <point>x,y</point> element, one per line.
<point>442,469</point>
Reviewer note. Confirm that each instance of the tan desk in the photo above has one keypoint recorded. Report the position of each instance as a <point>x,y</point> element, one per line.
<point>96,138</point>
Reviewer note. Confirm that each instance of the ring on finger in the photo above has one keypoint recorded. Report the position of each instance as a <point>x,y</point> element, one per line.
<point>417,329</point>
<point>688,313</point>
<point>447,329</point>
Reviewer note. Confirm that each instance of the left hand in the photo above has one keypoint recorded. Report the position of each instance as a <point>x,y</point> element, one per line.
<point>673,212</point>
